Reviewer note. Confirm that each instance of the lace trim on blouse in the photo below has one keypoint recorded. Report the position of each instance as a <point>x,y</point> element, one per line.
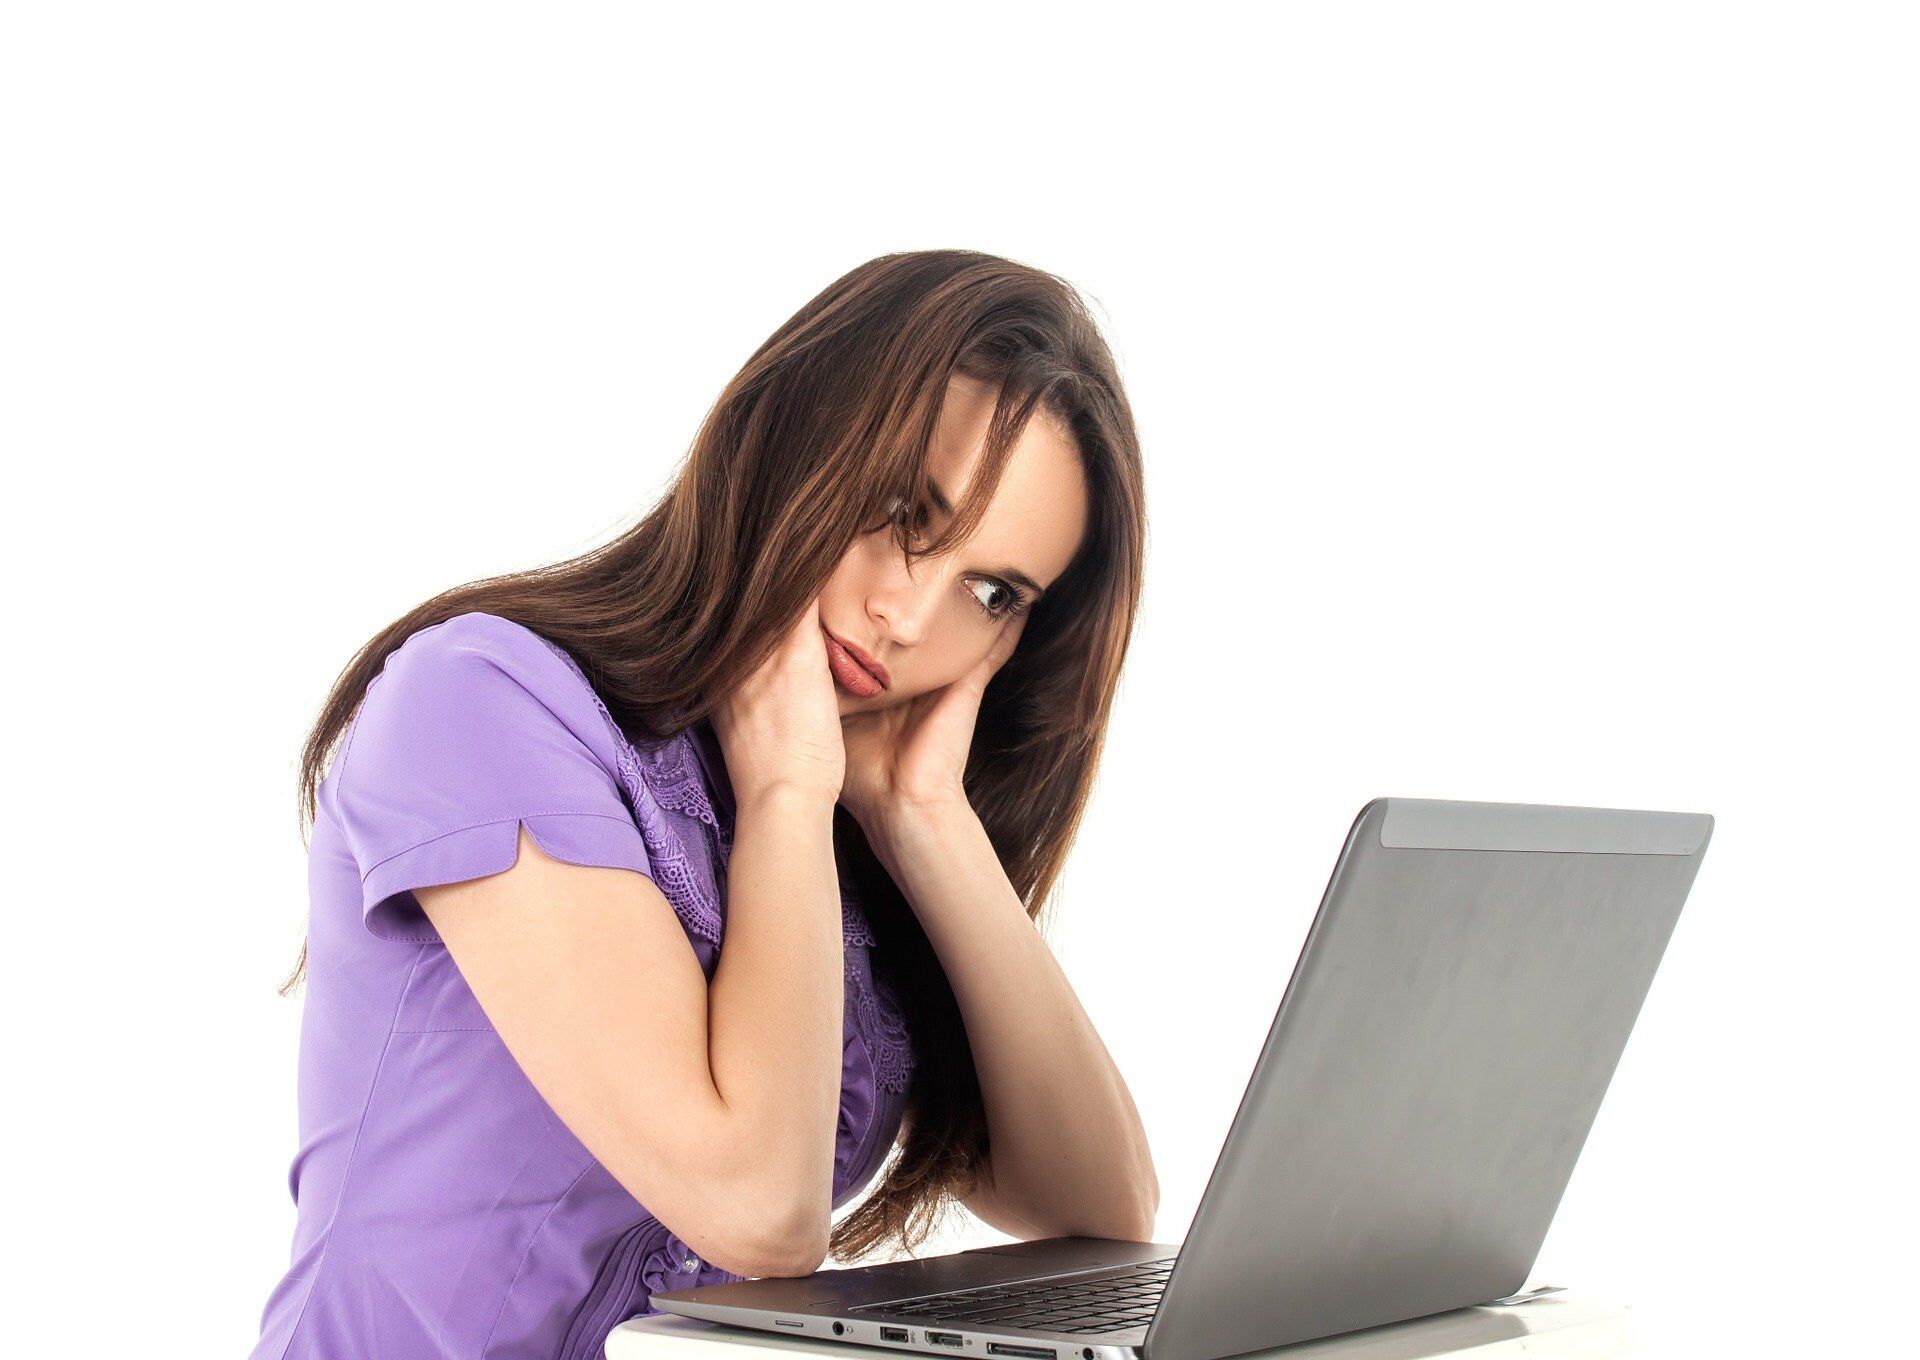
<point>672,780</point>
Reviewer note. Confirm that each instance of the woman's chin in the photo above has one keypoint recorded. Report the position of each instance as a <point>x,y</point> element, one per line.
<point>853,706</point>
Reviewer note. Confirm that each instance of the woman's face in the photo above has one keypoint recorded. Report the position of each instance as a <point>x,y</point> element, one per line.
<point>928,627</point>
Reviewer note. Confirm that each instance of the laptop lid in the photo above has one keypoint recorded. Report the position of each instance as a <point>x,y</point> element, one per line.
<point>1462,999</point>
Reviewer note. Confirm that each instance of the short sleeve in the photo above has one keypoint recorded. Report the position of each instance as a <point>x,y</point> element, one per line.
<point>472,727</point>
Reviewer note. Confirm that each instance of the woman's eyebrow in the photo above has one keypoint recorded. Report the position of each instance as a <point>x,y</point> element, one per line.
<point>939,497</point>
<point>945,507</point>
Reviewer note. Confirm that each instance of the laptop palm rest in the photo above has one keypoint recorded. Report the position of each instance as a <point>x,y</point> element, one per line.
<point>1001,1264</point>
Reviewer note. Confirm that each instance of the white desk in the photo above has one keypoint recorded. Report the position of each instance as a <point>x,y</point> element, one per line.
<point>1558,1326</point>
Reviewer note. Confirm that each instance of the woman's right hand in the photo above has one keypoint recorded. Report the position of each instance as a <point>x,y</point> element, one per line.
<point>781,726</point>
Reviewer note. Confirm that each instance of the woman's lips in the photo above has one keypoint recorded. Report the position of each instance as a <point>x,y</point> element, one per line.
<point>854,677</point>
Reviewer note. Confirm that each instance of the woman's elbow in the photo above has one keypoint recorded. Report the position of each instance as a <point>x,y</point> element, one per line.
<point>772,1244</point>
<point>1145,1213</point>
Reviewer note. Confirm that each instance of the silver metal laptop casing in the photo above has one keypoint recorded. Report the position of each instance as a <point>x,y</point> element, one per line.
<point>1460,1004</point>
<point>811,1305</point>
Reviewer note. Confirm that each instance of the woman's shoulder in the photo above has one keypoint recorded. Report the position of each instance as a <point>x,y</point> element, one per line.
<point>477,642</point>
<point>666,780</point>
<point>495,666</point>
<point>477,633</point>
<point>674,772</point>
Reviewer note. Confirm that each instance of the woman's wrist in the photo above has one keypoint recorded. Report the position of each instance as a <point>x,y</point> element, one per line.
<point>906,835</point>
<point>787,799</point>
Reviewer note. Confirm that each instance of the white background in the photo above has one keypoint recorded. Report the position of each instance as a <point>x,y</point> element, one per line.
<point>1529,404</point>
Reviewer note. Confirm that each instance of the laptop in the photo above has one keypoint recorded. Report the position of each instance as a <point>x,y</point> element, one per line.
<point>1460,1004</point>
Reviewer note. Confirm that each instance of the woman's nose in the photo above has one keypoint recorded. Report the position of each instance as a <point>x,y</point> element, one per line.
<point>908,601</point>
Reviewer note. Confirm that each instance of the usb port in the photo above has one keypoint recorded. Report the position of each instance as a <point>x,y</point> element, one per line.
<point>943,1338</point>
<point>1024,1352</point>
<point>895,1334</point>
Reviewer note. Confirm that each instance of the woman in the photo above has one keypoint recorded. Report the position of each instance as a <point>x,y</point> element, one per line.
<point>836,701</point>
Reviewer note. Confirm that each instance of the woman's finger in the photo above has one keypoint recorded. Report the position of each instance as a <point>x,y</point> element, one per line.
<point>1003,646</point>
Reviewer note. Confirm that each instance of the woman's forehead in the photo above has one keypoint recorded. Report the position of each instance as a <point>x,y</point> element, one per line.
<point>1039,509</point>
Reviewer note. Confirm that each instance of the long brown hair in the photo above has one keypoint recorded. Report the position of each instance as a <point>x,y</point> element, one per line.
<point>803,452</point>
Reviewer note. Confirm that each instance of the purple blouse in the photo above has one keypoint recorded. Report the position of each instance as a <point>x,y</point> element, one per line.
<point>442,1208</point>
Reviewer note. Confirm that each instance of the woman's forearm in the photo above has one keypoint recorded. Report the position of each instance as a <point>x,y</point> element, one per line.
<point>1069,1154</point>
<point>776,1003</point>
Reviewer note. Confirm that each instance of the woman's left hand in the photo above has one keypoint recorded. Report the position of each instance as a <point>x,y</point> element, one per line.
<point>912,757</point>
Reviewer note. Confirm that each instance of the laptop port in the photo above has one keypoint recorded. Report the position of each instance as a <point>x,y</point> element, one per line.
<point>943,1338</point>
<point>900,1334</point>
<point>1024,1352</point>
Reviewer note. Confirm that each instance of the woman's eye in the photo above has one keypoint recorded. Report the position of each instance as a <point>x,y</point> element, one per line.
<point>891,517</point>
<point>898,514</point>
<point>1008,601</point>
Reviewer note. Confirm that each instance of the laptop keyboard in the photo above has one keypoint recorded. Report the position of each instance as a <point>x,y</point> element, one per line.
<point>1106,1301</point>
